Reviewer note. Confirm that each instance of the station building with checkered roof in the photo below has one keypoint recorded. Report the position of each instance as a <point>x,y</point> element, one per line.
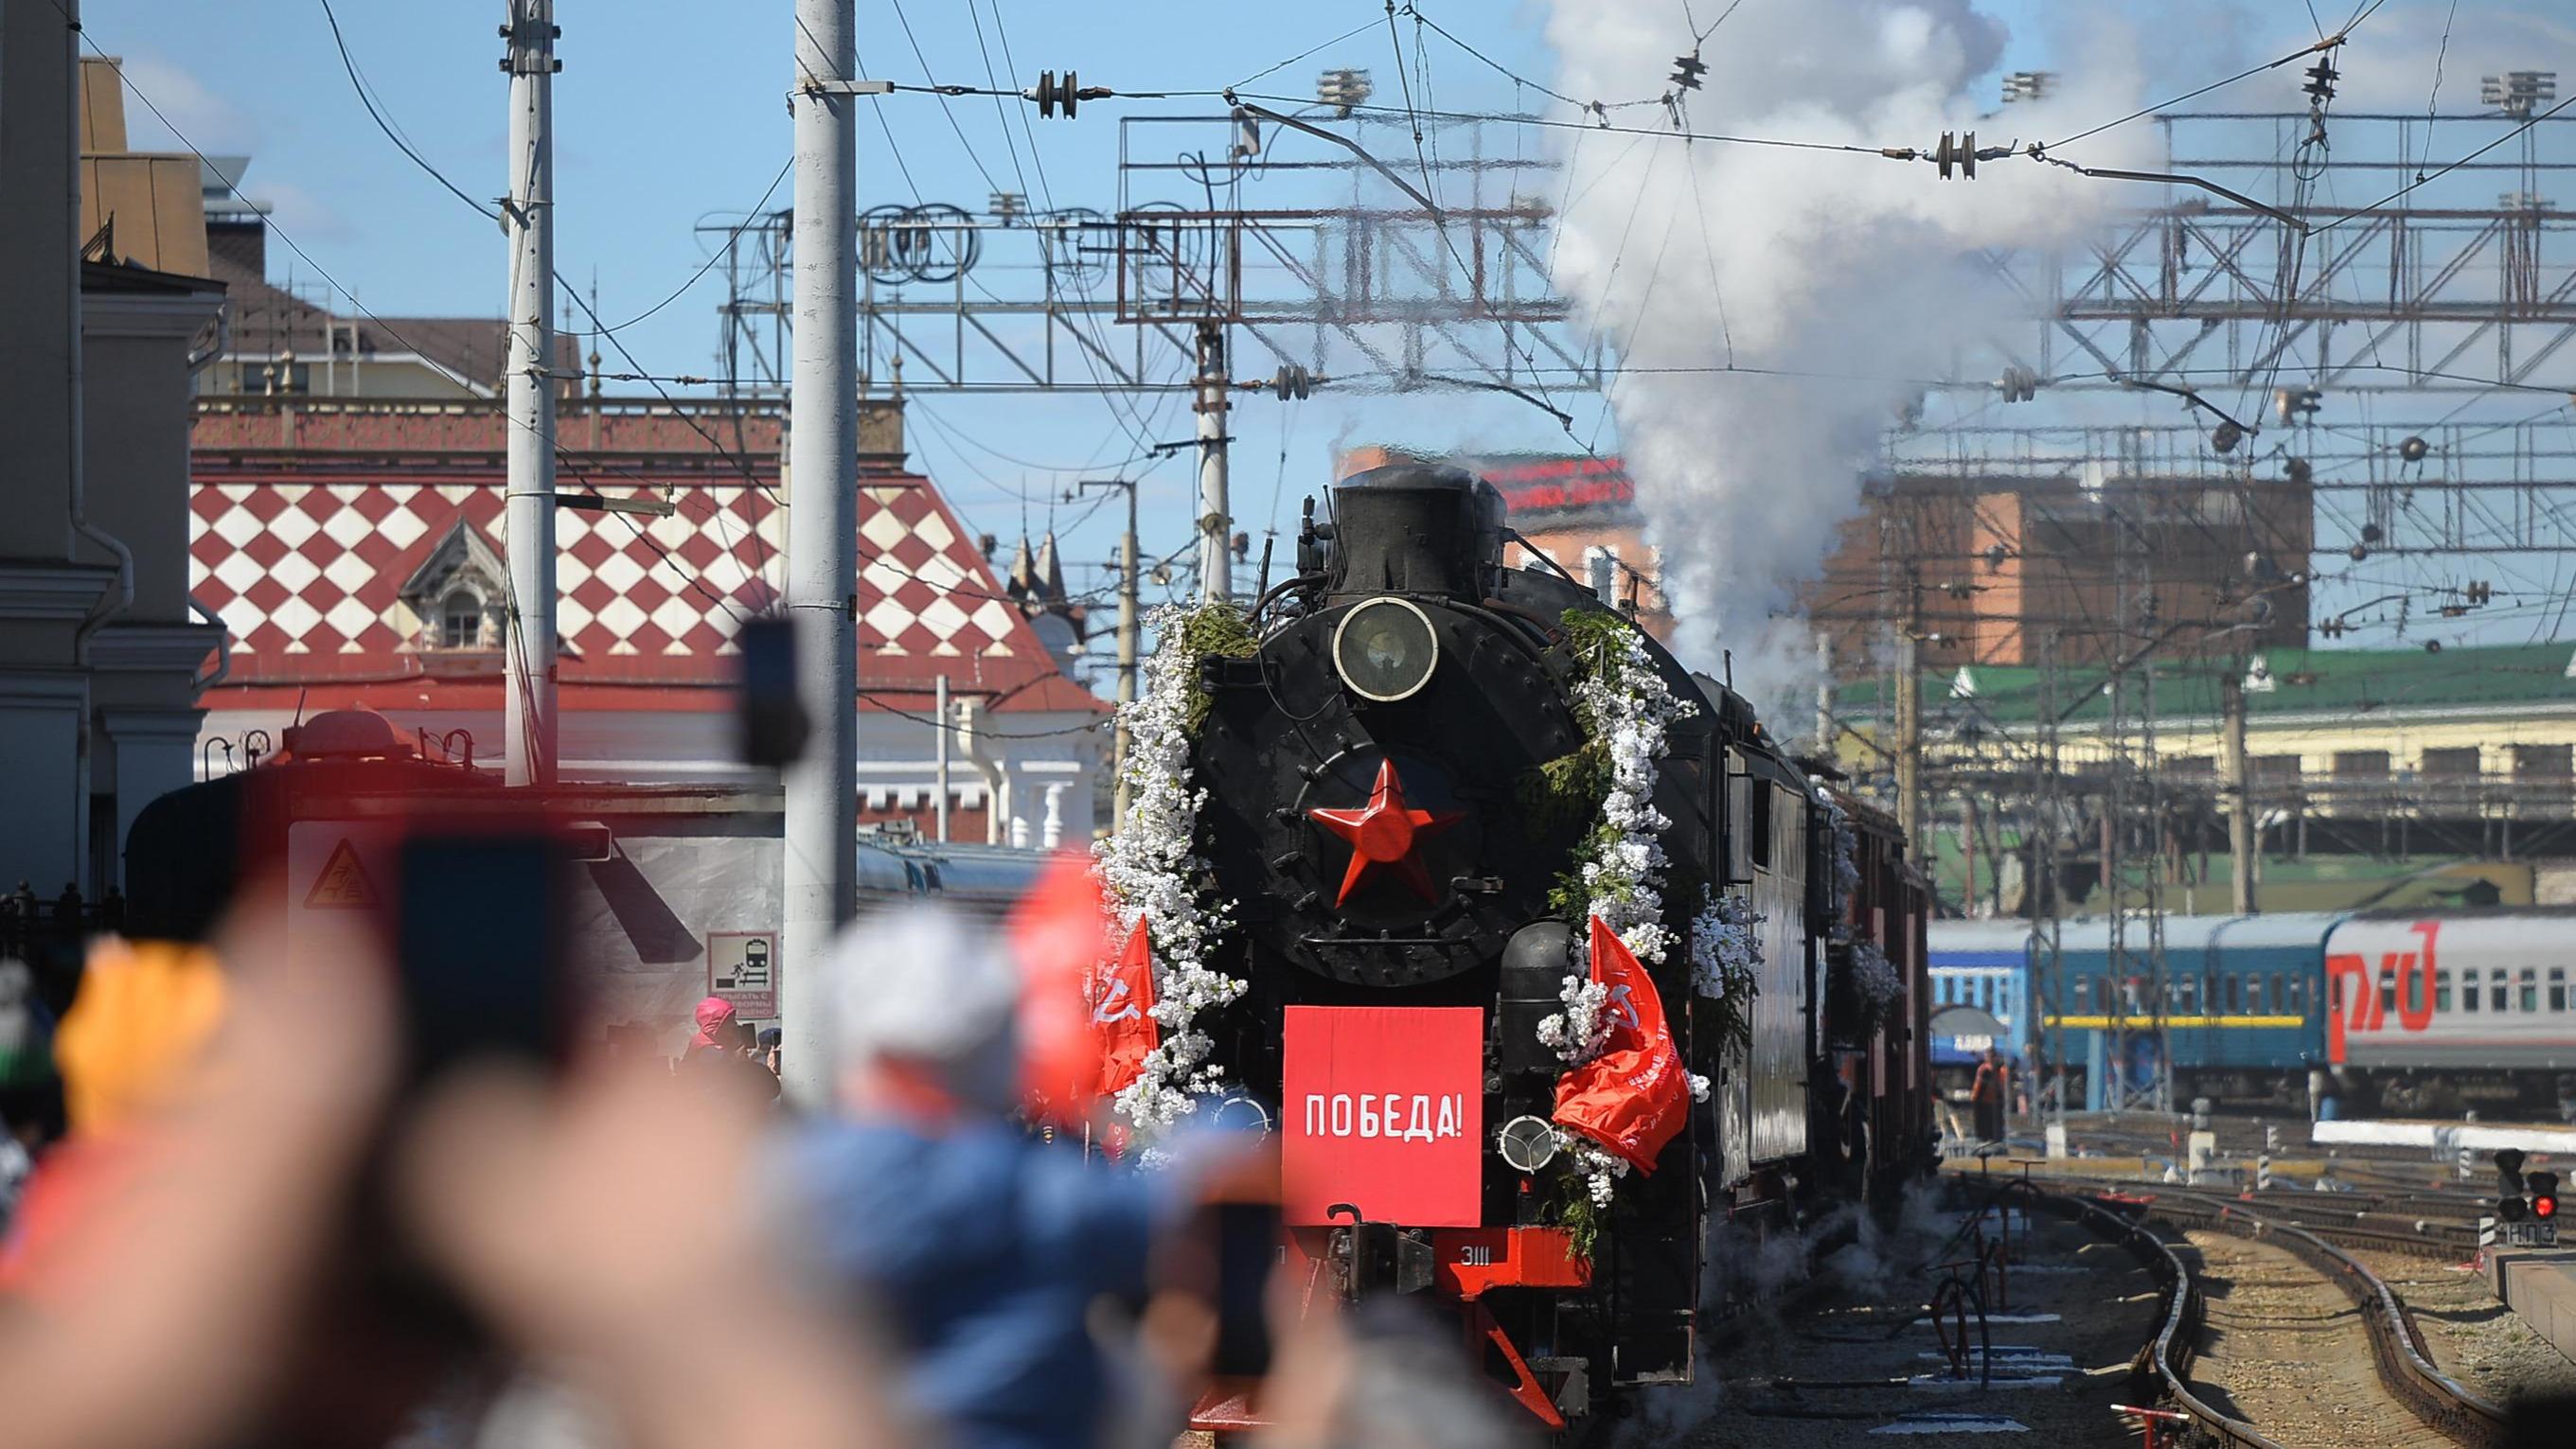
<point>354,550</point>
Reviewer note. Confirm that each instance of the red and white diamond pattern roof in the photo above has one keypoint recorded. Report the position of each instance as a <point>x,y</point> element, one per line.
<point>307,569</point>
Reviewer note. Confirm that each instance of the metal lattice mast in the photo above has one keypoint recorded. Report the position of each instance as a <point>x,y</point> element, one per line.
<point>2155,882</point>
<point>2046,933</point>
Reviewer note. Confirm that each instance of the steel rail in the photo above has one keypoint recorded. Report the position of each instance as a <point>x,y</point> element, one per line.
<point>2163,1365</point>
<point>2404,1365</point>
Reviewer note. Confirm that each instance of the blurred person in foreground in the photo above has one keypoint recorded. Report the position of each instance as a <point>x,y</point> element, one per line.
<point>1382,1374</point>
<point>203,1278</point>
<point>984,1247</point>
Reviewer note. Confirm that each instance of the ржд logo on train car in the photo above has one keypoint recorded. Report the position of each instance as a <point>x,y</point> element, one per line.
<point>2359,1000</point>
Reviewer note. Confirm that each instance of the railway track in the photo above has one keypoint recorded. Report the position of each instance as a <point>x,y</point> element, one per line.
<point>2404,1368</point>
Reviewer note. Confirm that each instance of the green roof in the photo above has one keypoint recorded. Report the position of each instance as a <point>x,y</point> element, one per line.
<point>2304,681</point>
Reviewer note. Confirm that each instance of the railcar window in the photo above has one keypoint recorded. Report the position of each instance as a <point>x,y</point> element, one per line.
<point>2387,990</point>
<point>2468,991</point>
<point>1759,826</point>
<point>2083,996</point>
<point>2235,994</point>
<point>2334,995</point>
<point>2529,994</point>
<point>2298,996</point>
<point>2441,991</point>
<point>2209,993</point>
<point>2186,995</point>
<point>2415,992</point>
<point>2495,989</point>
<point>2558,988</point>
<point>2254,995</point>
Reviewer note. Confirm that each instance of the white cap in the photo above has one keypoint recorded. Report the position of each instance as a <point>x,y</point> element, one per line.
<point>922,983</point>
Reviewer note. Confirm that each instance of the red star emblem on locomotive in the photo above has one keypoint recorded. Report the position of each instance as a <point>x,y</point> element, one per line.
<point>1384,832</point>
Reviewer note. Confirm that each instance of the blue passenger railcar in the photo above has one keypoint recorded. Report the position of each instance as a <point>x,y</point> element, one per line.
<point>2240,1003</point>
<point>1981,996</point>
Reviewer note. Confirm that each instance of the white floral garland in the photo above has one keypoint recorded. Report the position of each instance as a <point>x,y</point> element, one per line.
<point>1726,952</point>
<point>1872,975</point>
<point>1150,868</point>
<point>1630,707</point>
<point>1877,979</point>
<point>1846,868</point>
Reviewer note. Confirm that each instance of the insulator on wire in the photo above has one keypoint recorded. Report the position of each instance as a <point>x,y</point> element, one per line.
<point>1051,93</point>
<point>2321,81</point>
<point>1687,69</point>
<point>1959,151</point>
<point>2413,449</point>
<point>1292,383</point>
<point>2226,436</point>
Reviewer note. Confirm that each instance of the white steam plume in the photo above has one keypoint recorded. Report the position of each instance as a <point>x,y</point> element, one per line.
<point>1681,255</point>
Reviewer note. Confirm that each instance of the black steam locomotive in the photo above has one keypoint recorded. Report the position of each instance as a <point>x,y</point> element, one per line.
<point>1378,814</point>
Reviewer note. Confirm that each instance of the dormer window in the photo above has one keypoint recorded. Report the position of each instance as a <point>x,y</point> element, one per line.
<point>460,621</point>
<point>455,594</point>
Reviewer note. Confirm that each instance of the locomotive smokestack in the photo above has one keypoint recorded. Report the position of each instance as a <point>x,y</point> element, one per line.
<point>1416,529</point>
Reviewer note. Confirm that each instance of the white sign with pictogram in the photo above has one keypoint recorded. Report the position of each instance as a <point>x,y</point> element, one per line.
<point>742,967</point>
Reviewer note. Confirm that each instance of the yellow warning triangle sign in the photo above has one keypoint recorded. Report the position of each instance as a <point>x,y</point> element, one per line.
<point>343,884</point>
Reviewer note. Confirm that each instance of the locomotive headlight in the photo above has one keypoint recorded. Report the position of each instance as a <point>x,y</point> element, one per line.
<point>1527,1143</point>
<point>1385,649</point>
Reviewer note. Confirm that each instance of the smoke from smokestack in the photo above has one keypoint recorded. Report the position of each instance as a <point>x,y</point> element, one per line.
<point>1835,283</point>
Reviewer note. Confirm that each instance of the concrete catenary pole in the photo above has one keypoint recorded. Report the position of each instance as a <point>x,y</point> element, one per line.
<point>528,528</point>
<point>819,889</point>
<point>1216,512</point>
<point>939,742</point>
<point>1824,695</point>
<point>1909,737</point>
<point>2241,837</point>
<point>1128,587</point>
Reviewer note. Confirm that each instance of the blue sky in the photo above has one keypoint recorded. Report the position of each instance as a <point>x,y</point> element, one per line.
<point>669,113</point>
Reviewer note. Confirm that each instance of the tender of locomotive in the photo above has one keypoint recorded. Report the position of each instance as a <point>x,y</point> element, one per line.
<point>1415,775</point>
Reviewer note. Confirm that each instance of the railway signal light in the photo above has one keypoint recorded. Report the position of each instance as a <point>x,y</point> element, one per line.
<point>2511,1207</point>
<point>2544,1195</point>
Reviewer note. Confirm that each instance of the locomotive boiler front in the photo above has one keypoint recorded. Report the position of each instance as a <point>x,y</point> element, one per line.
<point>1365,765</point>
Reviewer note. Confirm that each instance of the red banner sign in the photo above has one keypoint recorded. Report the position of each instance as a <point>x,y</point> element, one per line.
<point>1383,1108</point>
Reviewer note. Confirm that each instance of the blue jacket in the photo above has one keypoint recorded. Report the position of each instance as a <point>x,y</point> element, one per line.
<point>983,1249</point>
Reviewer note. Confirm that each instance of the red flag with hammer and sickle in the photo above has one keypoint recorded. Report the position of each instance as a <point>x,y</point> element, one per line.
<point>1635,1096</point>
<point>1122,1012</point>
<point>1060,932</point>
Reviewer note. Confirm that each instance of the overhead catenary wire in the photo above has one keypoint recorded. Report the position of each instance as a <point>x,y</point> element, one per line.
<point>2302,53</point>
<point>758,211</point>
<point>1129,418</point>
<point>637,368</point>
<point>2423,178</point>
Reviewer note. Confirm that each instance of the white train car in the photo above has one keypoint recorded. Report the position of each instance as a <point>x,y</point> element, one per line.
<point>2441,1011</point>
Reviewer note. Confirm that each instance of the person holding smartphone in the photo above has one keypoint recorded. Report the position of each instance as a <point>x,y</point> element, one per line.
<point>920,1199</point>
